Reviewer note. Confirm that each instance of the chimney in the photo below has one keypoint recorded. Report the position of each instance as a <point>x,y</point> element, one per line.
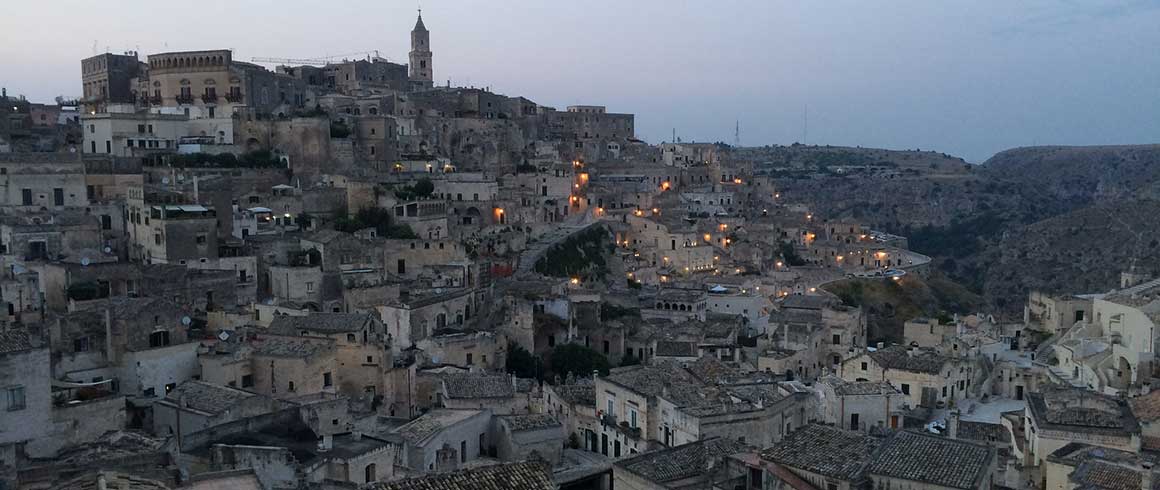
<point>195,193</point>
<point>356,435</point>
<point>953,424</point>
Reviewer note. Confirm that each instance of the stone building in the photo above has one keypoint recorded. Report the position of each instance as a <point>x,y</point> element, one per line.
<point>1079,465</point>
<point>410,319</point>
<point>529,475</point>
<point>107,81</point>
<point>26,379</point>
<point>813,335</point>
<point>912,459</point>
<point>443,439</point>
<point>573,403</point>
<point>1113,349</point>
<point>926,377</point>
<point>211,85</point>
<point>362,347</point>
<point>1058,416</point>
<point>702,464</point>
<point>821,456</point>
<point>500,394</point>
<point>197,405</point>
<point>860,405</point>
<point>1054,314</point>
<point>529,436</point>
<point>292,446</point>
<point>278,366</point>
<point>671,405</point>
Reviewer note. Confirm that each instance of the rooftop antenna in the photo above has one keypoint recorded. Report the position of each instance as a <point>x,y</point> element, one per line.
<point>737,133</point>
<point>94,47</point>
<point>805,123</point>
<point>674,140</point>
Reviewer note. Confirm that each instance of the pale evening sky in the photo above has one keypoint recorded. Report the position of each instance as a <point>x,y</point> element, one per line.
<point>967,78</point>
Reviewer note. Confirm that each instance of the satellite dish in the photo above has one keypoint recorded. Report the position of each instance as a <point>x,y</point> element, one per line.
<point>165,180</point>
<point>222,336</point>
<point>84,261</point>
<point>185,320</point>
<point>108,250</point>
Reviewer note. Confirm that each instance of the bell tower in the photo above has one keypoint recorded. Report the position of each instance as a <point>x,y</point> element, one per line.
<point>421,69</point>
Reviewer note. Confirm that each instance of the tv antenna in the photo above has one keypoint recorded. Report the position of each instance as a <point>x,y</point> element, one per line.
<point>737,133</point>
<point>805,123</point>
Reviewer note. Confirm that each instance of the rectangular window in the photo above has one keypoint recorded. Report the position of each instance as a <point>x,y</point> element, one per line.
<point>905,389</point>
<point>81,344</point>
<point>159,338</point>
<point>632,418</point>
<point>26,197</point>
<point>326,380</point>
<point>837,339</point>
<point>201,237</point>
<point>309,287</point>
<point>16,398</point>
<point>864,366</point>
<point>469,359</point>
<point>248,381</point>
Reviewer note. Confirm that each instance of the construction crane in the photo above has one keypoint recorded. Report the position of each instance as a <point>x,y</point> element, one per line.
<point>324,60</point>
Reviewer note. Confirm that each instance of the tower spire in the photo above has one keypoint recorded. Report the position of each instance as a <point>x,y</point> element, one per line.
<point>421,69</point>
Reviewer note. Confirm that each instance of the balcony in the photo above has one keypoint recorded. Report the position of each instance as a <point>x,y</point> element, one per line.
<point>234,98</point>
<point>154,100</point>
<point>209,98</point>
<point>184,98</point>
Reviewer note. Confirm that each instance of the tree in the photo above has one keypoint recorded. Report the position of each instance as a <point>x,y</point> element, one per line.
<point>423,188</point>
<point>790,255</point>
<point>578,360</point>
<point>522,363</point>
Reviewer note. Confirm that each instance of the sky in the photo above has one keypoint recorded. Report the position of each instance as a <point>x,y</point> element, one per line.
<point>968,78</point>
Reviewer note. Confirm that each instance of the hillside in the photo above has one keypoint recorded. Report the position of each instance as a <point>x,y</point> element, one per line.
<point>1083,251</point>
<point>888,304</point>
<point>1052,218</point>
<point>1082,174</point>
<point>799,159</point>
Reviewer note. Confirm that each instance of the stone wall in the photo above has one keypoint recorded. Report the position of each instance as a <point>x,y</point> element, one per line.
<point>304,141</point>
